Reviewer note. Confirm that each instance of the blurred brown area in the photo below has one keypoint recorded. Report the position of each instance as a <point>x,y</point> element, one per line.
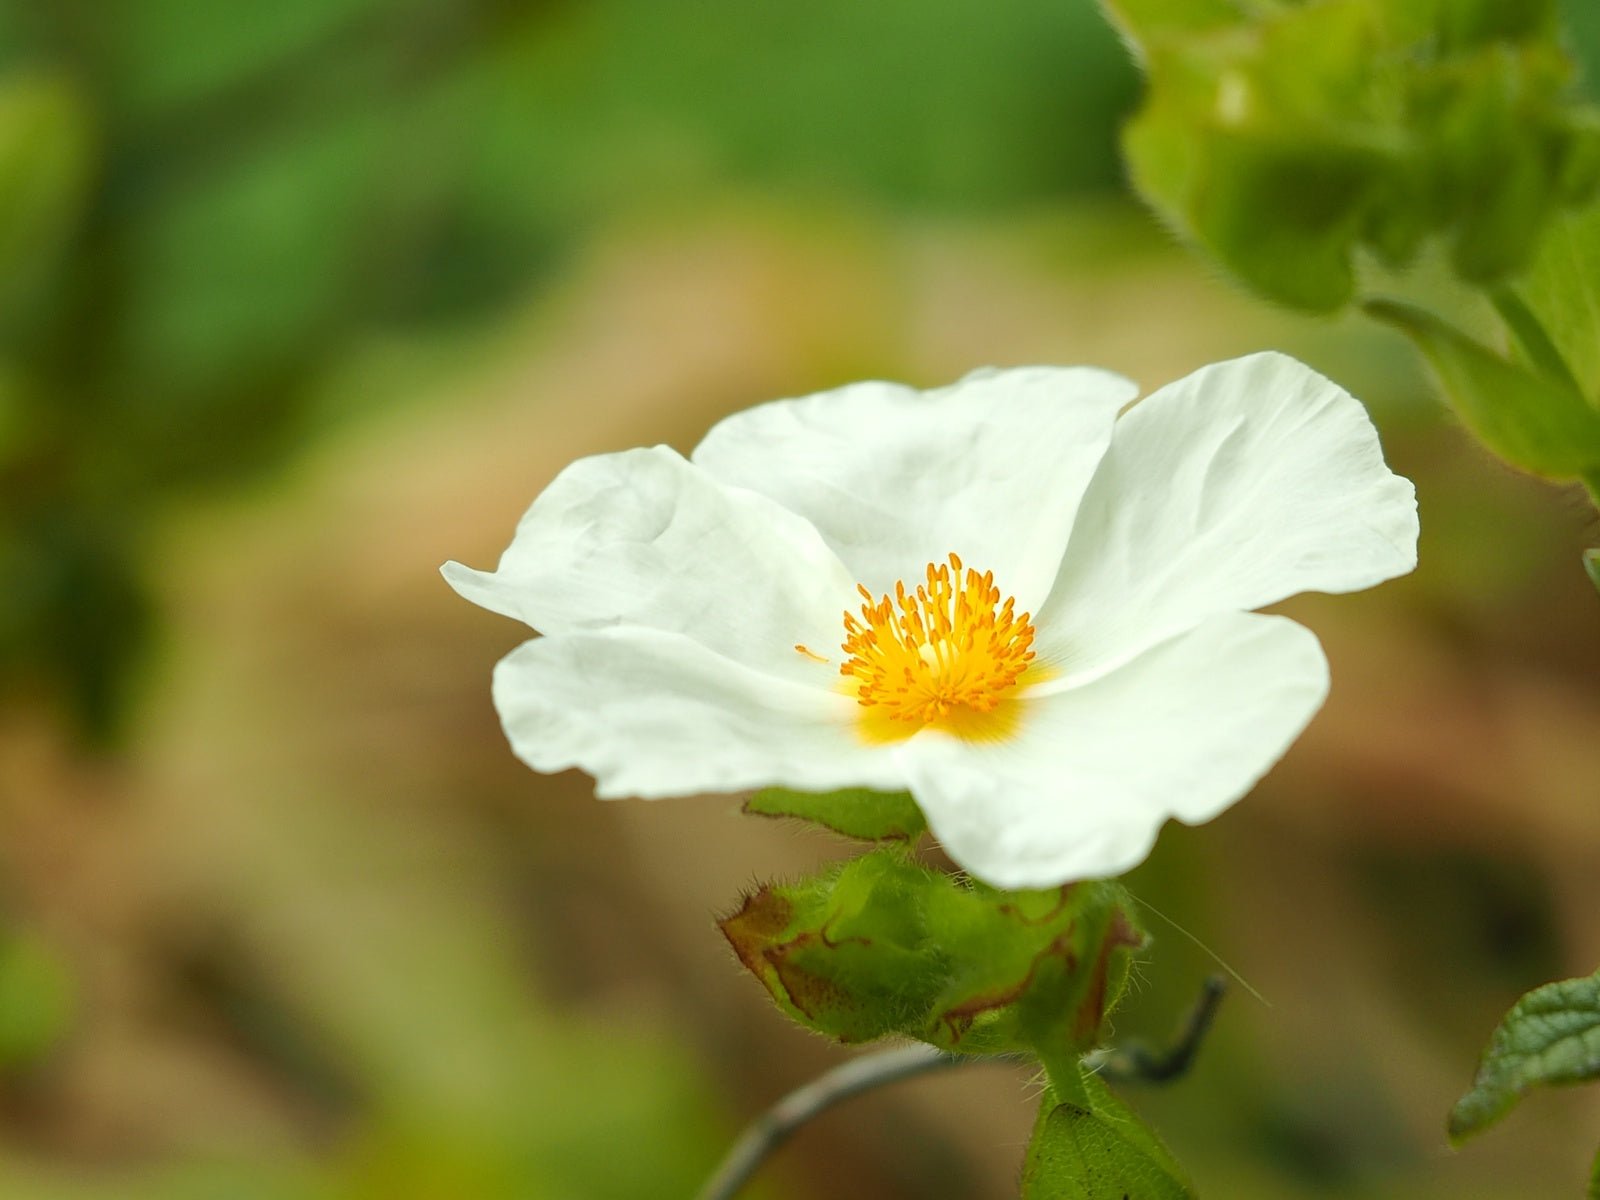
<point>319,926</point>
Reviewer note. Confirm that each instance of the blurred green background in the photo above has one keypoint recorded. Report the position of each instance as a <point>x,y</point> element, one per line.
<point>298,300</point>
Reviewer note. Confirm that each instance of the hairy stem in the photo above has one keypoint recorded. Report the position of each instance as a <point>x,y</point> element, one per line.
<point>1134,1063</point>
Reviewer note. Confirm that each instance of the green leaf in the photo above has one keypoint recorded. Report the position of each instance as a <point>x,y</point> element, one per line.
<point>881,944</point>
<point>1562,293</point>
<point>854,812</point>
<point>1285,138</point>
<point>1097,1149</point>
<point>1531,338</point>
<point>1591,564</point>
<point>1530,421</point>
<point>1550,1036</point>
<point>1301,256</point>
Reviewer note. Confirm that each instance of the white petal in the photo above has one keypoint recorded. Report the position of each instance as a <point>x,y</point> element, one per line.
<point>1239,485</point>
<point>654,714</point>
<point>991,468</point>
<point>1080,789</point>
<point>644,538</point>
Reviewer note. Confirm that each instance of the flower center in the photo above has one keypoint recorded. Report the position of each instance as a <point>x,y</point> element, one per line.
<point>951,644</point>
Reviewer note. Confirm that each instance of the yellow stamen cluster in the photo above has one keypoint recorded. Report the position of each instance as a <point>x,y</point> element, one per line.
<point>950,644</point>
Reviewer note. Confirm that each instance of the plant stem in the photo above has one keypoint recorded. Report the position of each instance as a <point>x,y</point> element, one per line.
<point>1133,1063</point>
<point>1137,1063</point>
<point>773,1127</point>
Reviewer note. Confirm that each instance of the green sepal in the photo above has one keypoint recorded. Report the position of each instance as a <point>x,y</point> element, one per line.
<point>846,952</point>
<point>1093,1147</point>
<point>854,812</point>
<point>1532,421</point>
<point>1550,1036</point>
<point>1039,970</point>
<point>883,945</point>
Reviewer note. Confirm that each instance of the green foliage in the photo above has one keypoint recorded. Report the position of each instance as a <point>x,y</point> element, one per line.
<point>1561,292</point>
<point>1533,421</point>
<point>1285,138</point>
<point>1591,560</point>
<point>1550,1036</point>
<point>854,812</point>
<point>881,945</point>
<point>1094,1148</point>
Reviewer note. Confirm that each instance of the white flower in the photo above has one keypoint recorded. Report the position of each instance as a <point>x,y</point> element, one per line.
<point>1078,664</point>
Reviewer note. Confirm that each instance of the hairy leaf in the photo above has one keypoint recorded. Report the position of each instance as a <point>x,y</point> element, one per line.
<point>1097,1149</point>
<point>1550,1036</point>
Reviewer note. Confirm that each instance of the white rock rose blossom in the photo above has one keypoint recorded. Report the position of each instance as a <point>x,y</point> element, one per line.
<point>1010,597</point>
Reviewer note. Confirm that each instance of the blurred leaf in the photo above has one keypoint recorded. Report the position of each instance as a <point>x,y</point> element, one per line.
<point>254,261</point>
<point>1562,292</point>
<point>1531,338</point>
<point>1530,421</point>
<point>1550,1036</point>
<point>76,610</point>
<point>1287,138</point>
<point>158,70</point>
<point>854,812</point>
<point>1591,563</point>
<point>47,160</point>
<point>896,99</point>
<point>1098,1150</point>
<point>1146,21</point>
<point>881,945</point>
<point>1300,257</point>
<point>36,1000</point>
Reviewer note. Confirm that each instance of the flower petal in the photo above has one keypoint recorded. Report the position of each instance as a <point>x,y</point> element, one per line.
<point>992,468</point>
<point>1082,786</point>
<point>644,538</point>
<point>654,714</point>
<point>1239,485</point>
